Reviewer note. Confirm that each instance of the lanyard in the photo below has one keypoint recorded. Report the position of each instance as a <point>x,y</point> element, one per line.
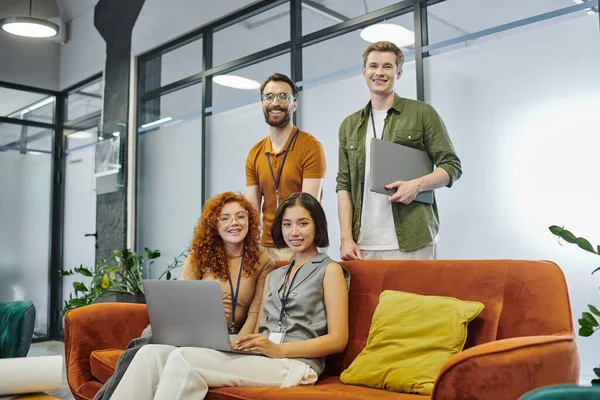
<point>373,125</point>
<point>284,295</point>
<point>278,180</point>
<point>234,295</point>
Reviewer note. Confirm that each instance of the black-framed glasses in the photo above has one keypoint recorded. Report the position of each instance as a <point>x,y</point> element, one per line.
<point>283,97</point>
<point>241,217</point>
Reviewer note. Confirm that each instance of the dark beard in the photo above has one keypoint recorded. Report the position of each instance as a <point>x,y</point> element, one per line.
<point>278,124</point>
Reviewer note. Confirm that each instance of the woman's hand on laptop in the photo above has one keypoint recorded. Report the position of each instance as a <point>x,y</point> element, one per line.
<point>260,344</point>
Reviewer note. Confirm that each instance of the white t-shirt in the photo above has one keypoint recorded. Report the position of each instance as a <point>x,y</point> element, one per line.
<point>377,230</point>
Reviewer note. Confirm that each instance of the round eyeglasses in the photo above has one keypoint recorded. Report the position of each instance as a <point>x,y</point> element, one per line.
<point>283,97</point>
<point>241,217</point>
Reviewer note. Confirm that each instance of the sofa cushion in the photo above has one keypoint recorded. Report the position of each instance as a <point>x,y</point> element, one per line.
<point>410,338</point>
<point>103,363</point>
<point>478,280</point>
<point>326,388</point>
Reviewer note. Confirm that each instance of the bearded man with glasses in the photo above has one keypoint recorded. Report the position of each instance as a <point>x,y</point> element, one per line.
<point>287,161</point>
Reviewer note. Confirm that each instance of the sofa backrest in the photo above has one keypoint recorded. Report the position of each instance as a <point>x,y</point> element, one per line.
<point>521,298</point>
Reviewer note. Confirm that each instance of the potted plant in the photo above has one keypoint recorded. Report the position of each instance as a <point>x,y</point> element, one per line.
<point>588,324</point>
<point>119,279</point>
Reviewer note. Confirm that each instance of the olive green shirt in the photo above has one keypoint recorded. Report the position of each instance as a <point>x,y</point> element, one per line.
<point>410,123</point>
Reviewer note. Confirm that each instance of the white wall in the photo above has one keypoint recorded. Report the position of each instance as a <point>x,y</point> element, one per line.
<point>84,53</point>
<point>29,61</point>
<point>526,129</point>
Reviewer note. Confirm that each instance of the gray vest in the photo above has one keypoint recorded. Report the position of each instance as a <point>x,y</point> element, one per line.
<point>305,314</point>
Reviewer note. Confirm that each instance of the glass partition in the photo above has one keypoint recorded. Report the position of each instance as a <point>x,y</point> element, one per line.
<point>527,134</point>
<point>256,33</point>
<point>169,178</point>
<point>25,179</point>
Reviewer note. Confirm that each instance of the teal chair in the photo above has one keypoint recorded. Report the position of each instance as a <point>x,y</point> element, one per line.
<point>563,392</point>
<point>17,320</point>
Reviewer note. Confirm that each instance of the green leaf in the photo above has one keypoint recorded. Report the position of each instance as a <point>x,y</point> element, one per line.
<point>584,244</point>
<point>83,271</point>
<point>568,236</point>
<point>79,287</point>
<point>596,270</point>
<point>78,302</point>
<point>169,275</point>
<point>556,230</point>
<point>597,372</point>
<point>584,323</point>
<point>598,249</point>
<point>594,310</point>
<point>590,318</point>
<point>585,331</point>
<point>63,272</point>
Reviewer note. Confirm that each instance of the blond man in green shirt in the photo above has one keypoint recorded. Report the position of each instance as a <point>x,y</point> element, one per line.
<point>376,226</point>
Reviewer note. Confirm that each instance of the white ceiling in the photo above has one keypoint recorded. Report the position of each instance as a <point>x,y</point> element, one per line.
<point>65,9</point>
<point>465,15</point>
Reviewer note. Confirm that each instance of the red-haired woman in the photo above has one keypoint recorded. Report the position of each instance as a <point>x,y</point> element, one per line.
<point>225,248</point>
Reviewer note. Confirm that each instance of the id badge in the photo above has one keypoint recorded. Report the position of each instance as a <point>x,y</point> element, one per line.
<point>276,337</point>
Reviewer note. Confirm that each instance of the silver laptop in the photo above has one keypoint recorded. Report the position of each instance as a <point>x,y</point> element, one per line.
<point>188,314</point>
<point>391,162</point>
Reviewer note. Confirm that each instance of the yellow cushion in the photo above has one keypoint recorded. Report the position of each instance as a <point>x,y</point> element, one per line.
<point>410,338</point>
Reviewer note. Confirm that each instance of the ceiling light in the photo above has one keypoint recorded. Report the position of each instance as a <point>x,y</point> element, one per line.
<point>396,34</point>
<point>236,82</point>
<point>160,121</point>
<point>80,135</point>
<point>28,26</point>
<point>37,105</point>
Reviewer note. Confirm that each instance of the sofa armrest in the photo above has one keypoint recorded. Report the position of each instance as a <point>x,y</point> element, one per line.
<point>98,327</point>
<point>508,368</point>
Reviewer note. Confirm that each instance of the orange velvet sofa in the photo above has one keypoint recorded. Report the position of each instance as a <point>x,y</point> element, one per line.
<point>522,340</point>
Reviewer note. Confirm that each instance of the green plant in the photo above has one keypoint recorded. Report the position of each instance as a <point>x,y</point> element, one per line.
<point>122,274</point>
<point>588,324</point>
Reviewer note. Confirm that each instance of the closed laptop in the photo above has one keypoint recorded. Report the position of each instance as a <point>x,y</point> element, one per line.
<point>391,162</point>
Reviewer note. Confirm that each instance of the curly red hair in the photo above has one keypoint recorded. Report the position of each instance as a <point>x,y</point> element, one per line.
<point>207,251</point>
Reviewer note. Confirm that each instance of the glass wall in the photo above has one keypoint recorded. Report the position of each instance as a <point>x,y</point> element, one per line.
<point>253,34</point>
<point>25,200</point>
<point>522,115</point>
<point>169,166</point>
<point>83,107</point>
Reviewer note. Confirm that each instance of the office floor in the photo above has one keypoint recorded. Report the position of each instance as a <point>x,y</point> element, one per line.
<point>51,349</point>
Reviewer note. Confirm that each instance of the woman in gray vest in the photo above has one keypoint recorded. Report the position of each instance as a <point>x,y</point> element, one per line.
<point>303,320</point>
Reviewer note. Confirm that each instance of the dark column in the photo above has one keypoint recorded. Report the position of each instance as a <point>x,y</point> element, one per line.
<point>115,19</point>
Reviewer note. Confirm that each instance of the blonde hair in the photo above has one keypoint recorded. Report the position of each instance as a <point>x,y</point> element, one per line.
<point>385,47</point>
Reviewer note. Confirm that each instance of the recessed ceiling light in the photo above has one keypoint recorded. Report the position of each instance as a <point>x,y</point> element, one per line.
<point>29,26</point>
<point>236,82</point>
<point>396,34</point>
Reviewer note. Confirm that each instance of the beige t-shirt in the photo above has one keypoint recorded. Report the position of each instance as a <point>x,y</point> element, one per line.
<point>249,301</point>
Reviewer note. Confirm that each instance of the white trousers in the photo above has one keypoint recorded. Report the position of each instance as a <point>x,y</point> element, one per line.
<point>422,253</point>
<point>164,372</point>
